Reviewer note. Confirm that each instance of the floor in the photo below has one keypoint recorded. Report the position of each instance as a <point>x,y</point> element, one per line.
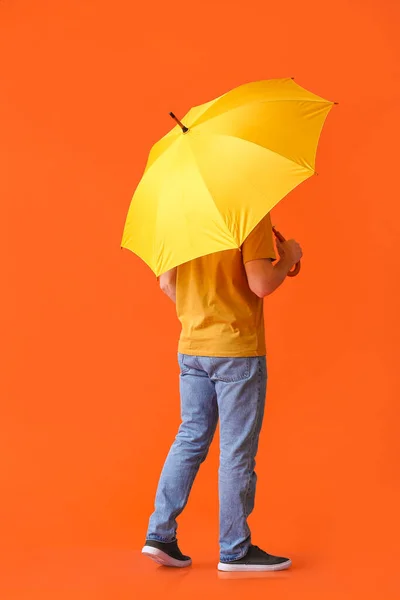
<point>112,573</point>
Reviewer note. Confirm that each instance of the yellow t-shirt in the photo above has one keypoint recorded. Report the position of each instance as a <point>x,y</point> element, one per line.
<point>220,315</point>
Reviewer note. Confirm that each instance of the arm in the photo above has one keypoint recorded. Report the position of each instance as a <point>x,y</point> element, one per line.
<point>264,277</point>
<point>168,283</point>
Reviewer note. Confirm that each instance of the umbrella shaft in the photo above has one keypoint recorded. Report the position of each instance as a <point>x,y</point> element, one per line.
<point>181,125</point>
<point>278,235</point>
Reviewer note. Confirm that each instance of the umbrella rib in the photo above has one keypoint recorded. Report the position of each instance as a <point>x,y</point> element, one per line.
<point>322,101</point>
<point>261,146</point>
<point>147,169</point>
<point>210,194</point>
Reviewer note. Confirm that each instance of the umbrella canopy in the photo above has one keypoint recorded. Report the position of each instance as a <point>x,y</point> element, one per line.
<point>213,177</point>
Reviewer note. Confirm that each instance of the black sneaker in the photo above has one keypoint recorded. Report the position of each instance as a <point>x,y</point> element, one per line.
<point>256,560</point>
<point>166,553</point>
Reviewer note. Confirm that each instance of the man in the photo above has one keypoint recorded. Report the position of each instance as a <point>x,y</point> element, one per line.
<point>223,375</point>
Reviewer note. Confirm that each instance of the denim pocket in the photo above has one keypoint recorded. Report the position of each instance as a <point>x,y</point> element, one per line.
<point>181,361</point>
<point>230,370</point>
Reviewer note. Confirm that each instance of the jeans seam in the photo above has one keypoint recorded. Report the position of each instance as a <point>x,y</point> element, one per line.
<point>186,495</point>
<point>203,456</point>
<point>244,377</point>
<point>253,433</point>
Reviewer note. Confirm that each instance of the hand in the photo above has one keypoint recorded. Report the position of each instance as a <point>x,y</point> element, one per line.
<point>290,252</point>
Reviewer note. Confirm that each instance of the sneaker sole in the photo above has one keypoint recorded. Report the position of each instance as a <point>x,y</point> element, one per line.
<point>242,567</point>
<point>162,558</point>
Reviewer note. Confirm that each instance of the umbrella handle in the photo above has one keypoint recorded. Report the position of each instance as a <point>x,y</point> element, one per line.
<point>295,271</point>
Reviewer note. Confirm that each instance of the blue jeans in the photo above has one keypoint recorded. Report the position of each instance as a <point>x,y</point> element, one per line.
<point>233,390</point>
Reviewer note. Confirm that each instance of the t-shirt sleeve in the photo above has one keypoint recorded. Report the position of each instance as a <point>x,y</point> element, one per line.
<point>260,242</point>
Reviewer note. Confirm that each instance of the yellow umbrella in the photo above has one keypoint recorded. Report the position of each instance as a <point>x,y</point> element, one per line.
<point>212,178</point>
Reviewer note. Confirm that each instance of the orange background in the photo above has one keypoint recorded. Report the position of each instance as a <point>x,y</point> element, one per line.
<point>89,378</point>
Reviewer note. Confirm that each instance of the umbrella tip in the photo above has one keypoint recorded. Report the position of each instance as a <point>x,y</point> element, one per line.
<point>181,125</point>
